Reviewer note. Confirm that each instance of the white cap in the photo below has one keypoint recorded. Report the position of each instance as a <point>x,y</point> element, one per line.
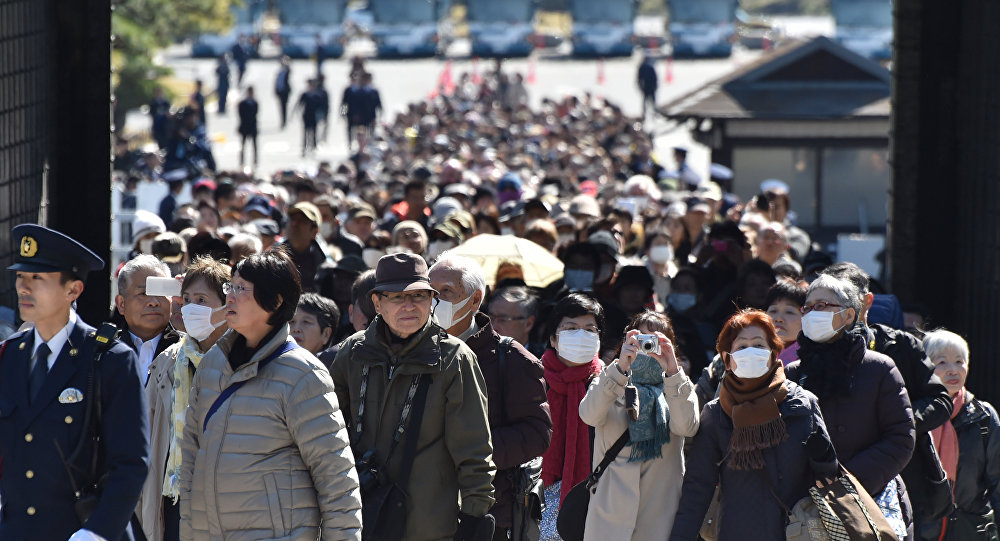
<point>146,222</point>
<point>719,171</point>
<point>774,185</point>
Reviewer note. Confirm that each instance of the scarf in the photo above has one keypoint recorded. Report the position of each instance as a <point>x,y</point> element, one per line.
<point>946,438</point>
<point>568,456</point>
<point>650,431</point>
<point>826,366</point>
<point>188,359</point>
<point>752,404</point>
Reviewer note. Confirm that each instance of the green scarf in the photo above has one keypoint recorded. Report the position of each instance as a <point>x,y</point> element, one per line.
<point>188,359</point>
<point>651,430</point>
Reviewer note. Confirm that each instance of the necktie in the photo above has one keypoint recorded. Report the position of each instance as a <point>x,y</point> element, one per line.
<point>37,376</point>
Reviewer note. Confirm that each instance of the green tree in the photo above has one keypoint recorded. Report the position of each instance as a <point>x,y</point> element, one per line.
<point>141,28</point>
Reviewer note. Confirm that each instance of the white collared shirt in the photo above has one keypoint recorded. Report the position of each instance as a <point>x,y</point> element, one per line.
<point>55,343</point>
<point>147,352</point>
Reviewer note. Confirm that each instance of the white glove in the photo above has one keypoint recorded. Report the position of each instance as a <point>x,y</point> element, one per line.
<point>86,535</point>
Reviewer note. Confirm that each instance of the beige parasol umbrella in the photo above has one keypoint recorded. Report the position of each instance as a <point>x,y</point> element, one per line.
<point>541,268</point>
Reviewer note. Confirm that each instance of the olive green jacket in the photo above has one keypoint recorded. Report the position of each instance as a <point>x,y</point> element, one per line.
<point>453,467</point>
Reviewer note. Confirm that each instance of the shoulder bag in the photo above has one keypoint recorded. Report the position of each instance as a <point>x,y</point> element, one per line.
<point>573,511</point>
<point>848,511</point>
<point>526,479</point>
<point>383,500</point>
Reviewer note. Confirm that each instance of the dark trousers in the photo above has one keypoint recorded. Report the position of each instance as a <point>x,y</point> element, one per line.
<point>171,520</point>
<point>283,105</point>
<point>308,138</point>
<point>243,146</point>
<point>223,93</point>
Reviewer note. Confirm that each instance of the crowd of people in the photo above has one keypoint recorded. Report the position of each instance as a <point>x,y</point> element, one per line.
<point>334,367</point>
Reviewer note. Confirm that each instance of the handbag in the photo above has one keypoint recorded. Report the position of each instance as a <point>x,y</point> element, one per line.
<point>572,517</point>
<point>526,479</point>
<point>848,512</point>
<point>383,500</point>
<point>802,521</point>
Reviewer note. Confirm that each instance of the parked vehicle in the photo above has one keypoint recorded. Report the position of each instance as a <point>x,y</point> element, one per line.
<point>702,28</point>
<point>247,23</point>
<point>864,26</point>
<point>504,29</point>
<point>409,28</point>
<point>309,25</point>
<point>603,27</point>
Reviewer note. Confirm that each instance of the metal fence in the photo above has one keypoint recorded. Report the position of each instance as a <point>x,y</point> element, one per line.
<point>24,86</point>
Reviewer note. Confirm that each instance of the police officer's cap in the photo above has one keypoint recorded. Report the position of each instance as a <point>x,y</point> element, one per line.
<point>40,249</point>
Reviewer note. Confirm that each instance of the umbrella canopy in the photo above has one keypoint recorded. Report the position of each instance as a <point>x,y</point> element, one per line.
<point>541,268</point>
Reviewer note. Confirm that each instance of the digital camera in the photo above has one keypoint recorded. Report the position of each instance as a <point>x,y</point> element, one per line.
<point>648,343</point>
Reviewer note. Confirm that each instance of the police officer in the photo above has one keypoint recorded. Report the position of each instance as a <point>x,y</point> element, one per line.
<point>44,396</point>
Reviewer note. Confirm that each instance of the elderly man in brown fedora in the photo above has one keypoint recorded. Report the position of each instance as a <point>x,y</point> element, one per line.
<point>415,400</point>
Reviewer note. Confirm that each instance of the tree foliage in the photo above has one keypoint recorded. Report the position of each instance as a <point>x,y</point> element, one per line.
<point>143,27</point>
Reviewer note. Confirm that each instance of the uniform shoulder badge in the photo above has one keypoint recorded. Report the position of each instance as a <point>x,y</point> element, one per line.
<point>70,395</point>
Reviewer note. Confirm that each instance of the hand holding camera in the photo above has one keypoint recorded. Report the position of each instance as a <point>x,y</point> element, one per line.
<point>655,345</point>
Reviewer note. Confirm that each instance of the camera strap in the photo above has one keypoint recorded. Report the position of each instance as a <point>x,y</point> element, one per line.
<point>404,415</point>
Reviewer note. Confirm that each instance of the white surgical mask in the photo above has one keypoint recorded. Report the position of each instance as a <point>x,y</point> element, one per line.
<point>444,312</point>
<point>146,246</point>
<point>579,280</point>
<point>371,256</point>
<point>681,302</point>
<point>326,230</point>
<point>661,254</point>
<point>566,239</point>
<point>506,230</point>
<point>438,247</point>
<point>751,362</point>
<point>198,320</point>
<point>818,326</point>
<point>579,346</point>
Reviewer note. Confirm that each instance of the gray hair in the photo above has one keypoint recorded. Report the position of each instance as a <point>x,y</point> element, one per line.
<point>144,262</point>
<point>473,278</point>
<point>846,292</point>
<point>241,240</point>
<point>937,341</point>
<point>521,297</point>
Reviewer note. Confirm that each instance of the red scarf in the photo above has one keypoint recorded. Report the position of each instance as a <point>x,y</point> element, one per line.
<point>568,455</point>
<point>946,439</point>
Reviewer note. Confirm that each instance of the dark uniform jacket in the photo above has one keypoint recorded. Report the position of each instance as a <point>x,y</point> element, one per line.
<point>520,423</point>
<point>38,500</point>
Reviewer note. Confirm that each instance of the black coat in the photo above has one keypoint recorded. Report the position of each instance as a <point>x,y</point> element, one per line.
<point>746,500</point>
<point>977,484</point>
<point>871,426</point>
<point>248,117</point>
<point>38,501</point>
<point>932,407</point>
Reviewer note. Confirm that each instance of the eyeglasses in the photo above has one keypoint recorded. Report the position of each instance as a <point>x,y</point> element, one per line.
<point>229,289</point>
<point>821,306</point>
<point>589,328</point>
<point>505,319</point>
<point>415,298</point>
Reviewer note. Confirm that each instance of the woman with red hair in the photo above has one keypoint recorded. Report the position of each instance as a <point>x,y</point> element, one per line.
<point>762,441</point>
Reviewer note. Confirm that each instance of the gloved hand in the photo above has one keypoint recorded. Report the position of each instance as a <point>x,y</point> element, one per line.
<point>472,528</point>
<point>822,456</point>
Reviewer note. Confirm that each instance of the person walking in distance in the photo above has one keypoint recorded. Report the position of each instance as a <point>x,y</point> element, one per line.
<point>248,125</point>
<point>283,88</point>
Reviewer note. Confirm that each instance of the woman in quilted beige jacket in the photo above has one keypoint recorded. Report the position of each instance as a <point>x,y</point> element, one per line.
<point>270,461</point>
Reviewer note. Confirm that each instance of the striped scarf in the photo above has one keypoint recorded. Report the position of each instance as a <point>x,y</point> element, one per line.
<point>188,359</point>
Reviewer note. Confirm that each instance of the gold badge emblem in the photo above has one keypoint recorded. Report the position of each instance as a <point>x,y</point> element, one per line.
<point>29,246</point>
<point>70,395</point>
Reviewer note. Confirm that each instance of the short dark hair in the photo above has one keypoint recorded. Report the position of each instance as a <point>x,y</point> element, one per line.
<point>224,190</point>
<point>326,312</point>
<point>273,275</point>
<point>583,248</point>
<point>576,305</point>
<point>414,185</point>
<point>363,284</point>
<point>788,290</point>
<point>655,321</point>
<point>846,270</point>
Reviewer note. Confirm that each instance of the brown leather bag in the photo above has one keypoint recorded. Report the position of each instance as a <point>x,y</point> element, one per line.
<point>849,512</point>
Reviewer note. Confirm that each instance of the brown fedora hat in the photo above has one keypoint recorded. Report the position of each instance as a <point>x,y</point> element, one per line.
<point>401,272</point>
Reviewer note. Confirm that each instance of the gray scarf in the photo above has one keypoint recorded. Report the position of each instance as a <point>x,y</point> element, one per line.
<point>651,430</point>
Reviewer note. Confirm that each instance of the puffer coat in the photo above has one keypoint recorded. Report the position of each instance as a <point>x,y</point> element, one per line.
<point>274,462</point>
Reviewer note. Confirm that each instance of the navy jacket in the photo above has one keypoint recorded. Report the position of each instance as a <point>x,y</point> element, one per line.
<point>746,500</point>
<point>37,493</point>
